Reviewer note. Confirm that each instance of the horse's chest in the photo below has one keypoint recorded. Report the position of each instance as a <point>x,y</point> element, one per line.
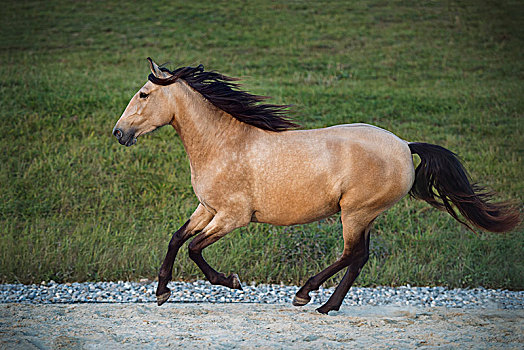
<point>205,195</point>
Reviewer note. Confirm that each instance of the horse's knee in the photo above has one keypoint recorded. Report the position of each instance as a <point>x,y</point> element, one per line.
<point>193,251</point>
<point>175,243</point>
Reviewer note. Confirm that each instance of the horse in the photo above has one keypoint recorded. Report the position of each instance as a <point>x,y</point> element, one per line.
<point>250,162</point>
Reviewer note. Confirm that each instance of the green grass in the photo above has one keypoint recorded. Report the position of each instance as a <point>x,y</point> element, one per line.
<point>75,205</point>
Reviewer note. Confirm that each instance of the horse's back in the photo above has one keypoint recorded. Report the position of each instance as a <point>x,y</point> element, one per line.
<point>355,144</point>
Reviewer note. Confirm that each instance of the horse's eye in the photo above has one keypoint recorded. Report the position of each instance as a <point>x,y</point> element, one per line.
<point>143,95</point>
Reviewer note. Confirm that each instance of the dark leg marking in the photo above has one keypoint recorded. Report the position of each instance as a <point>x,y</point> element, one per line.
<point>195,253</point>
<point>166,270</point>
<point>302,297</point>
<point>353,258</point>
<point>336,299</point>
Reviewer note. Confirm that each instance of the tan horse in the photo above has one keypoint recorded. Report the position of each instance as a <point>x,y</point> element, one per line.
<point>248,166</point>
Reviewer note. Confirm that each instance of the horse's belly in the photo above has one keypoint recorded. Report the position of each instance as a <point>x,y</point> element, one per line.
<point>296,206</point>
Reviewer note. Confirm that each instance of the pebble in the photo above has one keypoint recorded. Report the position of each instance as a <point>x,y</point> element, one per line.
<point>202,291</point>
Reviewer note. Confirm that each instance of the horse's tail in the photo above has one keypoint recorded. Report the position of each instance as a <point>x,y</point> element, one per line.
<point>442,181</point>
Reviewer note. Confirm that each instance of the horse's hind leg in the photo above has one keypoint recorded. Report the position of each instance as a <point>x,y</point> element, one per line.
<point>355,252</point>
<point>198,220</point>
<point>336,299</point>
<point>217,228</point>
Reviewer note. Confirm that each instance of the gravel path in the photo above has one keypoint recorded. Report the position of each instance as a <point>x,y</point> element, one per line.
<point>123,314</point>
<point>203,291</point>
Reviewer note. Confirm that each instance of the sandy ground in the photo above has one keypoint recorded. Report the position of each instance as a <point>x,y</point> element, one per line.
<point>247,326</point>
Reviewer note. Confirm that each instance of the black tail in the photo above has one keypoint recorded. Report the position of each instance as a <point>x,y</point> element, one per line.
<point>442,181</point>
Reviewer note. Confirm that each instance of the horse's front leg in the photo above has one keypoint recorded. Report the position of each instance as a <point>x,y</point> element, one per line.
<point>217,228</point>
<point>198,220</point>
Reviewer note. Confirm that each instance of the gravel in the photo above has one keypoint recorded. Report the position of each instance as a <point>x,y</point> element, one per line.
<point>202,291</point>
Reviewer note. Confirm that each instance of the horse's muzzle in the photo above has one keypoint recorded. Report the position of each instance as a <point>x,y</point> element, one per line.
<point>126,139</point>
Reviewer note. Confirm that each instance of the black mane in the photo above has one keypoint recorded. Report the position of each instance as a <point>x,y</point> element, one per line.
<point>226,95</point>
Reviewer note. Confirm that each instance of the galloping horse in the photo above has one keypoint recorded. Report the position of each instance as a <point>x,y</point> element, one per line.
<point>248,164</point>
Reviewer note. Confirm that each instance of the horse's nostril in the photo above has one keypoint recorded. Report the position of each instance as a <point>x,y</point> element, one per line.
<point>118,133</point>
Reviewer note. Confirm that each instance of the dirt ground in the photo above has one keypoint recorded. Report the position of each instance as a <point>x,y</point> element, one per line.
<point>247,326</point>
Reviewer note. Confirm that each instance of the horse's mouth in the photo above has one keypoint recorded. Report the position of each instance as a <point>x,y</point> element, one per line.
<point>128,141</point>
<point>131,142</point>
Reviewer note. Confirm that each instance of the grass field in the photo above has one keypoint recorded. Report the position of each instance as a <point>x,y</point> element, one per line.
<point>75,205</point>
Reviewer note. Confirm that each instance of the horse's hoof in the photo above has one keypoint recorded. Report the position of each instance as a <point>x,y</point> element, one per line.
<point>160,299</point>
<point>324,309</point>
<point>299,301</point>
<point>235,284</point>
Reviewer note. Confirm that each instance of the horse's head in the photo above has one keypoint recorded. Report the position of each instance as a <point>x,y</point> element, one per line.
<point>149,109</point>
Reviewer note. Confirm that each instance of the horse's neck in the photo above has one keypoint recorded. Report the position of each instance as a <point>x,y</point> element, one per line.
<point>206,131</point>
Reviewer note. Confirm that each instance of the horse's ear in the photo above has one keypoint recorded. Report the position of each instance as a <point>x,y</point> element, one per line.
<point>155,69</point>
